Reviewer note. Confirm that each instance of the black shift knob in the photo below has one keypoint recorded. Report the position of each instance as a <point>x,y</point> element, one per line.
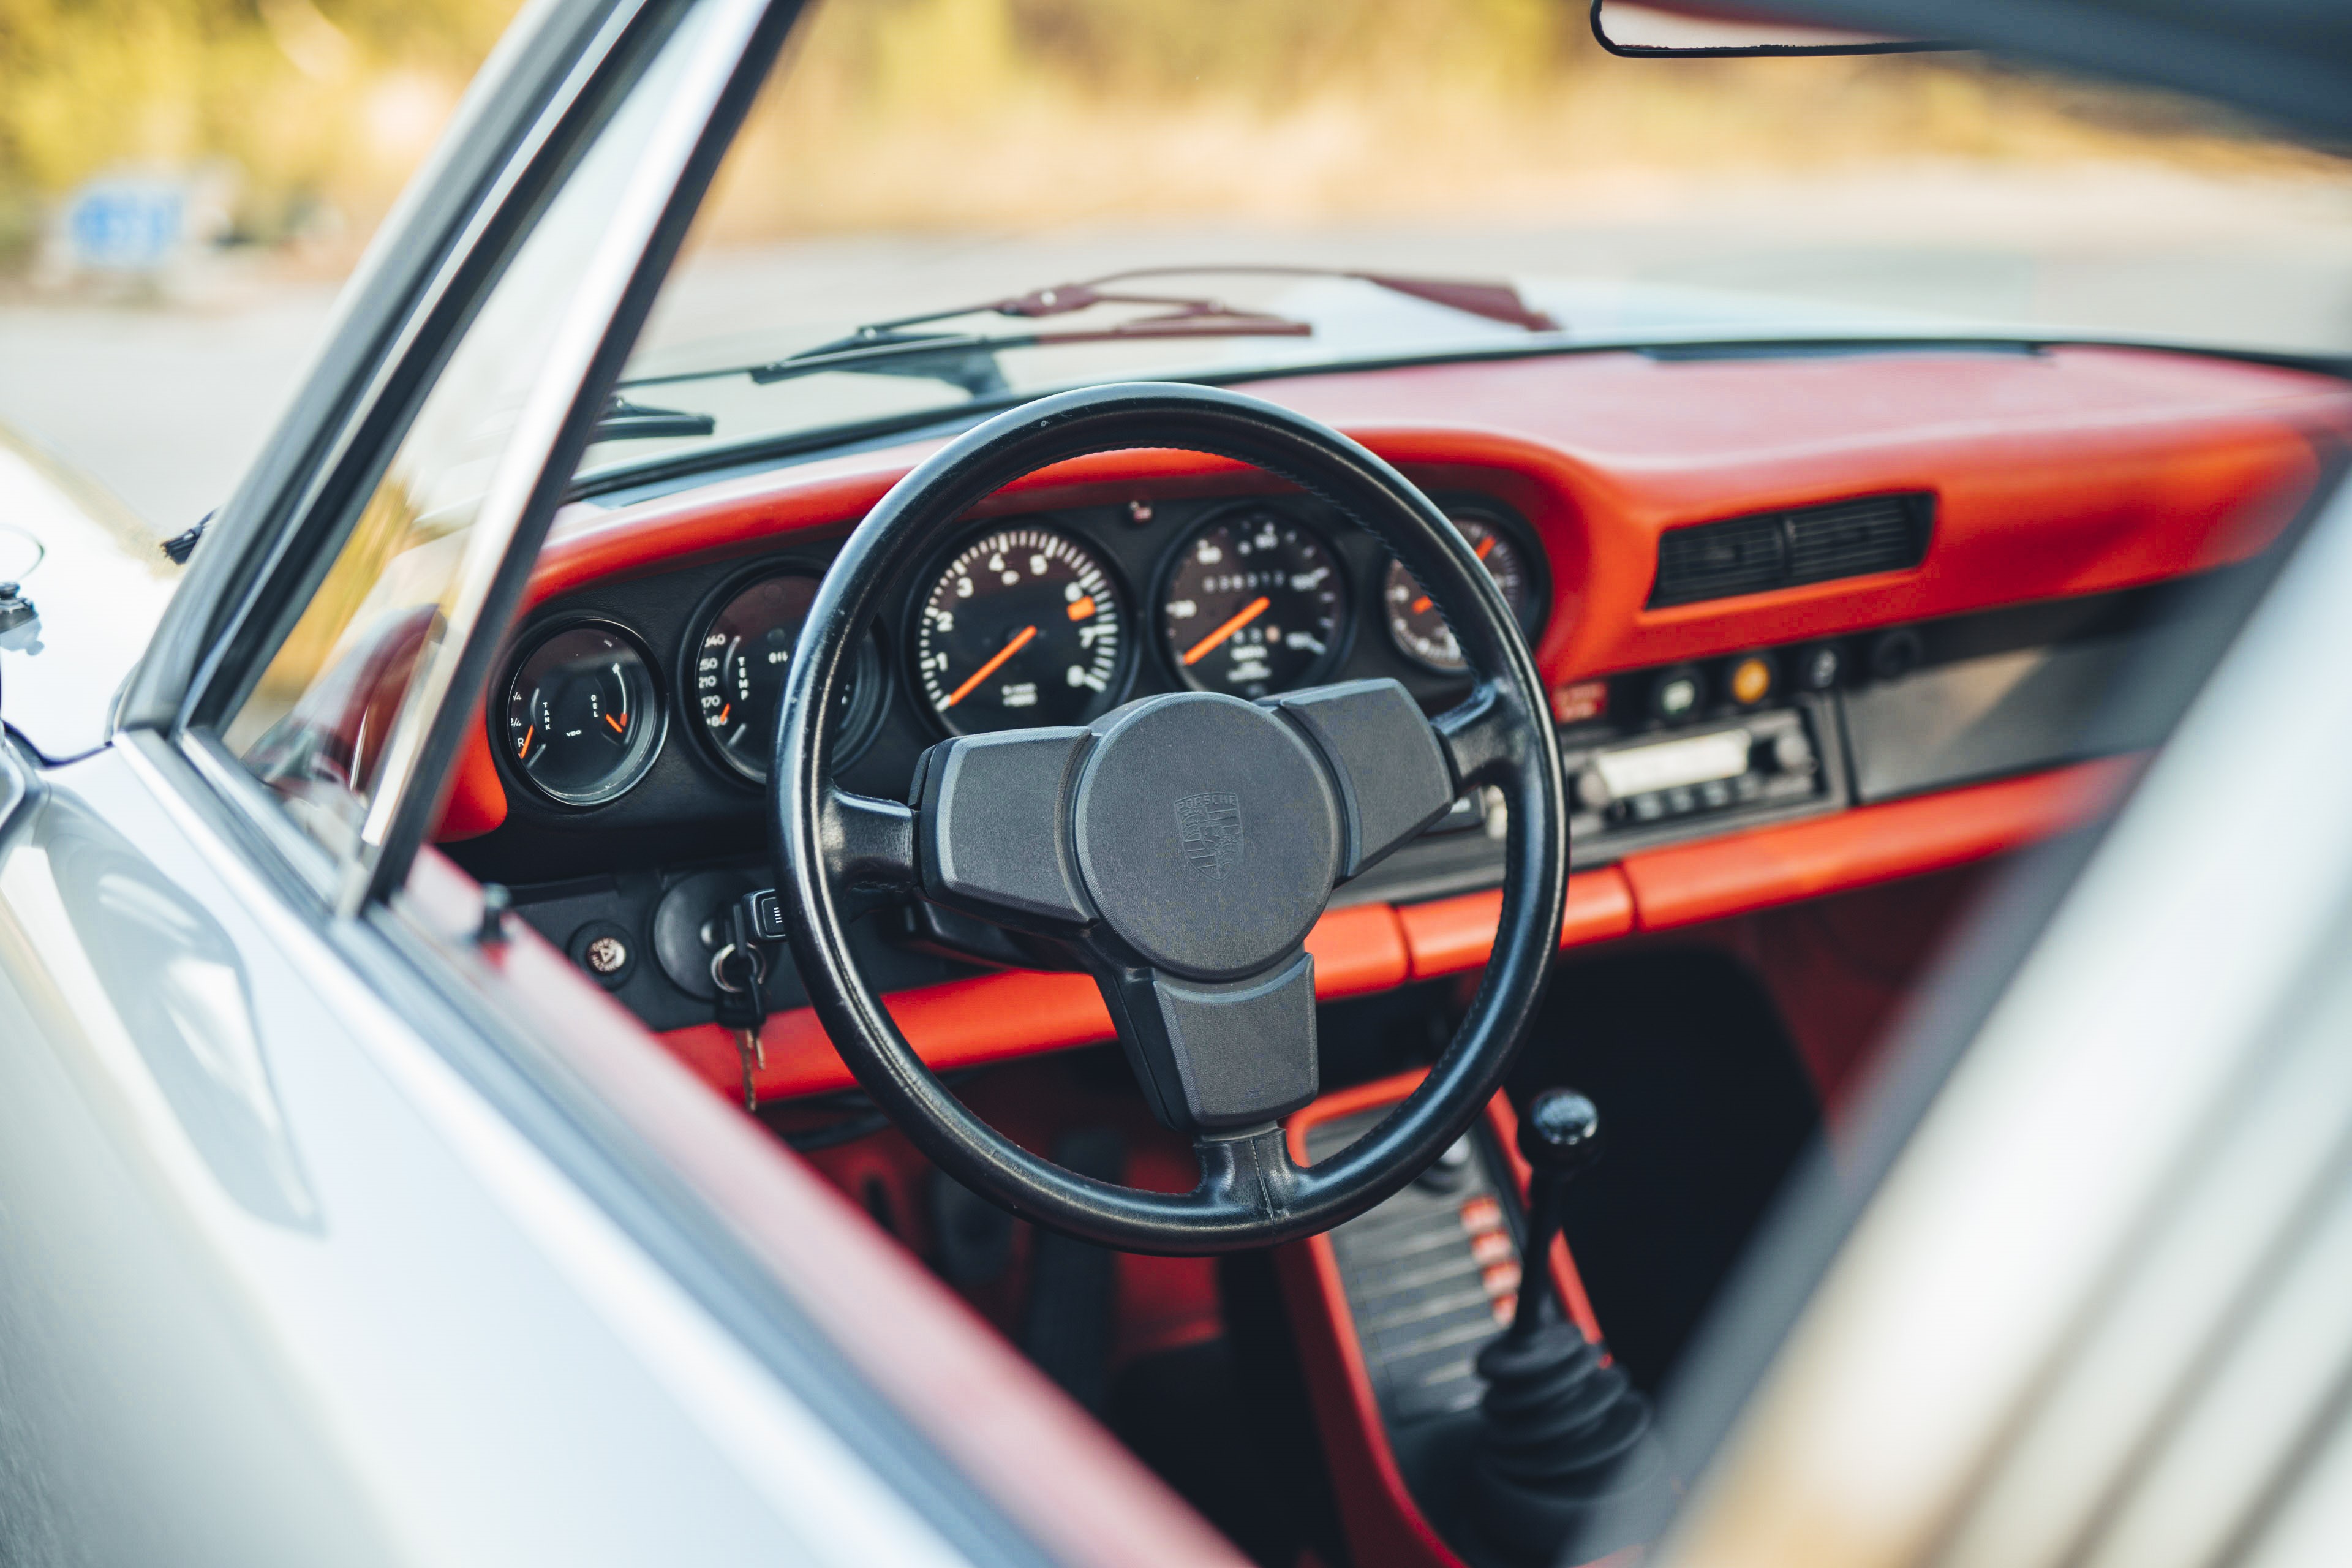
<point>1560,1132</point>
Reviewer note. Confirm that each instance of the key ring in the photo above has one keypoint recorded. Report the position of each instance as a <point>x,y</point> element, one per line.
<point>718,968</point>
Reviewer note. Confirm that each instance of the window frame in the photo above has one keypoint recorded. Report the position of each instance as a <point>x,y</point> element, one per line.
<point>537,106</point>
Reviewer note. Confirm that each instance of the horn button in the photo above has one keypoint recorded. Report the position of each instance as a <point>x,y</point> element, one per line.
<point>1208,833</point>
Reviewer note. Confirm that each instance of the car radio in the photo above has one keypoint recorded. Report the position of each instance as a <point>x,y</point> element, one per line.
<point>1759,762</point>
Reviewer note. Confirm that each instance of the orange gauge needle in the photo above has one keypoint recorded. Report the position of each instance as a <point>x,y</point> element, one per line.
<point>1483,545</point>
<point>1207,645</point>
<point>620,725</point>
<point>1020,640</point>
<point>524,750</point>
<point>724,712</point>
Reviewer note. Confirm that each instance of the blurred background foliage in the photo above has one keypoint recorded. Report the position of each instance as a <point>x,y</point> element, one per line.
<point>1056,111</point>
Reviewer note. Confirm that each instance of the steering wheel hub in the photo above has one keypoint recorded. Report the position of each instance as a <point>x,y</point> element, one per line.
<point>1207,833</point>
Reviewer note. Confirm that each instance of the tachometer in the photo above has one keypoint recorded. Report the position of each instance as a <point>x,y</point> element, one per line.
<point>1416,625</point>
<point>1023,627</point>
<point>737,674</point>
<point>583,719</point>
<point>1254,605</point>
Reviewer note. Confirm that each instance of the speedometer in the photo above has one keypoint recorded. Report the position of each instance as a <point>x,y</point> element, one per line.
<point>737,675</point>
<point>1023,627</point>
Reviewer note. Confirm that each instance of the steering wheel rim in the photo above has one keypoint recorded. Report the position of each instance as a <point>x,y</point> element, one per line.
<point>1252,1194</point>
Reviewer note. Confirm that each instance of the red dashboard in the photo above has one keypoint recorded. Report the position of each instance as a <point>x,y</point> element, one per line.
<point>2055,475</point>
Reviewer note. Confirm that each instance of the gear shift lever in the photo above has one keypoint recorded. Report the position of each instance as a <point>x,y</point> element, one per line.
<point>1563,1432</point>
<point>1560,1137</point>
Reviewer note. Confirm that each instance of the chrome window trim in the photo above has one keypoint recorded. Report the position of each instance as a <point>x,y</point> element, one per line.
<point>518,484</point>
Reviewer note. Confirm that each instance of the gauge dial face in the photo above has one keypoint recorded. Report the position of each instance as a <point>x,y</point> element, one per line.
<point>583,719</point>
<point>1023,628</point>
<point>1254,605</point>
<point>1416,625</point>
<point>740,662</point>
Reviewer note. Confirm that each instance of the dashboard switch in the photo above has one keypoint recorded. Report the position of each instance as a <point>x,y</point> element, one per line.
<point>1679,694</point>
<point>1792,753</point>
<point>1753,678</point>
<point>1820,667</point>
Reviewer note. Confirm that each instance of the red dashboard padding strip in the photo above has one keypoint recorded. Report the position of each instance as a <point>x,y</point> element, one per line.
<point>1385,1528</point>
<point>1745,871</point>
<point>1371,947</point>
<point>1446,936</point>
<point>967,1022</point>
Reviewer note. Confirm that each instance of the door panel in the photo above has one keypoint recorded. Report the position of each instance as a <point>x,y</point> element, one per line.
<point>280,1288</point>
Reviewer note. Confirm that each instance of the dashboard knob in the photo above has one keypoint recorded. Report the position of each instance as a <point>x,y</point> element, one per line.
<point>1792,753</point>
<point>1592,791</point>
<point>1897,654</point>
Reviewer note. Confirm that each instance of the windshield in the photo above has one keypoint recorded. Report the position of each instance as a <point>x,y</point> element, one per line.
<point>1136,195</point>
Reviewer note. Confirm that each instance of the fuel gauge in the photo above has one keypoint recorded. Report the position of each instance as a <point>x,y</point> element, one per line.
<point>583,717</point>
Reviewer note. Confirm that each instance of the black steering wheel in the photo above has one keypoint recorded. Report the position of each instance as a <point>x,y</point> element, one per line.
<point>1182,844</point>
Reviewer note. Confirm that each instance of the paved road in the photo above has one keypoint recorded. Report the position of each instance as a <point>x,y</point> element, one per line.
<point>167,404</point>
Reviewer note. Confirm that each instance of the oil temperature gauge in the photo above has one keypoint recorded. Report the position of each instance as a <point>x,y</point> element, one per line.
<point>583,719</point>
<point>1416,625</point>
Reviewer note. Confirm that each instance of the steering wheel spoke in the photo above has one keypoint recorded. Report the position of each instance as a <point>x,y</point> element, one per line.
<point>868,843</point>
<point>1220,1058</point>
<point>991,829</point>
<point>1484,737</point>
<point>1386,763</point>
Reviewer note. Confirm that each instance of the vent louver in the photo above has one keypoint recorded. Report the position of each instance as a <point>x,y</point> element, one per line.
<point>1783,549</point>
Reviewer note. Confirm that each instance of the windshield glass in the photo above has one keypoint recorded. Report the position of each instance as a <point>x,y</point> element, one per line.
<point>1254,189</point>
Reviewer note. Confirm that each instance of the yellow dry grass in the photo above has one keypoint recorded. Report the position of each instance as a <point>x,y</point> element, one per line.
<point>946,114</point>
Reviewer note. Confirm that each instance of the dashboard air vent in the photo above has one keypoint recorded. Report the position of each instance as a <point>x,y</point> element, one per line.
<point>1782,549</point>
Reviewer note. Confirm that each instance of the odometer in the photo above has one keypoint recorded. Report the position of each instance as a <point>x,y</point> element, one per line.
<point>1418,626</point>
<point>737,675</point>
<point>1254,605</point>
<point>583,721</point>
<point>1023,627</point>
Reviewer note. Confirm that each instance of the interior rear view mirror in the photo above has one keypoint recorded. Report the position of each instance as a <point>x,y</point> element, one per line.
<point>1669,29</point>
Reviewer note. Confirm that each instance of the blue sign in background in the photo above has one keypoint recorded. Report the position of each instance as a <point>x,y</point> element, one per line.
<point>126,225</point>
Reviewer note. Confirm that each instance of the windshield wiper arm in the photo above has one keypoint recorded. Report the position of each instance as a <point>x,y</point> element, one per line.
<point>1494,301</point>
<point>968,359</point>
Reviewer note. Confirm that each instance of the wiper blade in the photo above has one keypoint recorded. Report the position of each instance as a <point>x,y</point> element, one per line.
<point>624,421</point>
<point>968,359</point>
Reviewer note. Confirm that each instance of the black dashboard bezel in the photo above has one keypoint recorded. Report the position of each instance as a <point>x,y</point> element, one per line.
<point>690,806</point>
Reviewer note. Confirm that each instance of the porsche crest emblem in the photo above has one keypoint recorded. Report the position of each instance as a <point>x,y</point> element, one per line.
<point>1210,828</point>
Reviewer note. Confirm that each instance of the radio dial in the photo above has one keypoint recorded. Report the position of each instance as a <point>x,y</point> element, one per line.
<point>1792,753</point>
<point>1592,791</point>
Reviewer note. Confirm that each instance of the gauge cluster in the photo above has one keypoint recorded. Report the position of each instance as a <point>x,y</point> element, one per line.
<point>652,702</point>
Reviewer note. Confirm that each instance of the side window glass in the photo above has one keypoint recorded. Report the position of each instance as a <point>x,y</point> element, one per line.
<point>315,724</point>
